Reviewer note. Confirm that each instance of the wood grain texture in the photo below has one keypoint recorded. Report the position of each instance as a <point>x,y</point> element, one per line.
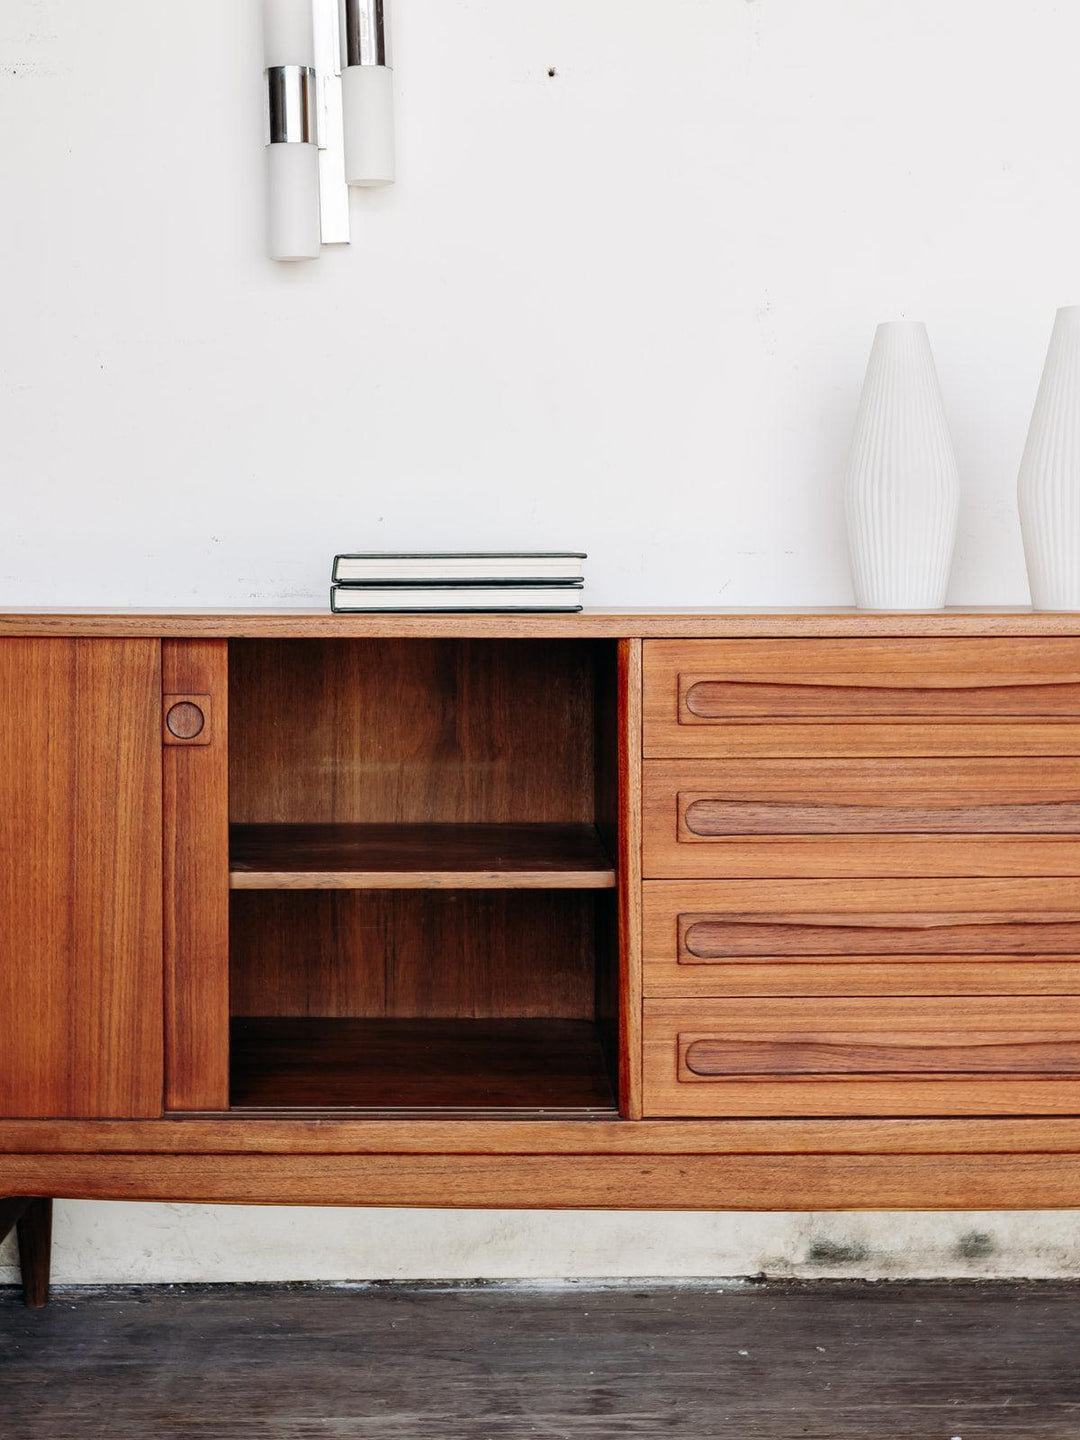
<point>703,939</point>
<point>840,976</point>
<point>418,1064</point>
<point>594,622</point>
<point>823,742</point>
<point>715,701</point>
<point>438,953</point>
<point>723,1361</point>
<point>885,1056</point>
<point>384,732</point>
<point>951,668</point>
<point>1025,895</point>
<point>12,1209</point>
<point>900,784</point>
<point>888,678</point>
<point>195,830</point>
<point>706,817</point>
<point>1008,816</point>
<point>608,801</point>
<point>355,857</point>
<point>80,886</point>
<point>509,1135</point>
<point>696,943</point>
<point>186,719</point>
<point>530,1182</point>
<point>900,1096</point>
<point>34,1228</point>
<point>717,1057</point>
<point>630,971</point>
<point>448,733</point>
<point>1003,1016</point>
<point>926,696</point>
<point>856,857</point>
<point>471,766</point>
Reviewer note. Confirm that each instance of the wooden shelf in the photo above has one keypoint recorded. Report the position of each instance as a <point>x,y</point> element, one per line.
<point>418,857</point>
<point>404,1064</point>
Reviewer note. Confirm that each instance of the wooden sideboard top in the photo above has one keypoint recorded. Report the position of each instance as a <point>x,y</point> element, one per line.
<point>687,623</point>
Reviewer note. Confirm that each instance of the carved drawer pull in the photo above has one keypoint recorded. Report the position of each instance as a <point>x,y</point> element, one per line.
<point>719,1058</point>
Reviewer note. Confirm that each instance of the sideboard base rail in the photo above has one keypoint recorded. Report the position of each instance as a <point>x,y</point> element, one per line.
<point>540,1182</point>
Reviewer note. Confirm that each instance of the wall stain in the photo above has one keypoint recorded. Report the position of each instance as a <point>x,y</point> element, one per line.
<point>975,1245</point>
<point>836,1252</point>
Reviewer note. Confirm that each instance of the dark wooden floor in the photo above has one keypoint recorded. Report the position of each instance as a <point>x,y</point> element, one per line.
<point>827,1361</point>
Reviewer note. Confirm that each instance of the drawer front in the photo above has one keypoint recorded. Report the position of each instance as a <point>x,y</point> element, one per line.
<point>870,938</point>
<point>861,1057</point>
<point>861,697</point>
<point>725,819</point>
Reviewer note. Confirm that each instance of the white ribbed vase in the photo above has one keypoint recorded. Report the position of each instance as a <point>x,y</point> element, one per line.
<point>903,490</point>
<point>1049,486</point>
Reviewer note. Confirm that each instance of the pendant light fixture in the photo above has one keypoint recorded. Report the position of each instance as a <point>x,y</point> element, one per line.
<point>292,152</point>
<point>367,94</point>
<point>329,125</point>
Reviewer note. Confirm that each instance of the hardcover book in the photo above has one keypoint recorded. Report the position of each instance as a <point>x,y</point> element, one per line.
<point>560,567</point>
<point>346,599</point>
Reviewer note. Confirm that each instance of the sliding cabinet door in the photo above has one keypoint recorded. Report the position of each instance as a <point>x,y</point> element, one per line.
<point>80,878</point>
<point>195,705</point>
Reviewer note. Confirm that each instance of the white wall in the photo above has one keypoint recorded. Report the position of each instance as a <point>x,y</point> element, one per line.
<point>625,309</point>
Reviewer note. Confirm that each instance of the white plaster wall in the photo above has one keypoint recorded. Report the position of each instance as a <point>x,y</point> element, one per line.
<point>127,1244</point>
<point>625,309</point>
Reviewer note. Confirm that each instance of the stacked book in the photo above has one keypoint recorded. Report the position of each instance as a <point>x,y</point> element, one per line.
<point>456,581</point>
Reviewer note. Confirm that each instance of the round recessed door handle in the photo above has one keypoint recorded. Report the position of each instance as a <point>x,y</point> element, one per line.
<point>185,720</point>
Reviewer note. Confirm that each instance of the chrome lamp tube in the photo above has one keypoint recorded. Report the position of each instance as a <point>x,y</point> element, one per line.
<point>367,94</point>
<point>292,144</point>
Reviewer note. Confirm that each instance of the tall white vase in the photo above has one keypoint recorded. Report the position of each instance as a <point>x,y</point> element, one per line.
<point>1049,486</point>
<point>903,490</point>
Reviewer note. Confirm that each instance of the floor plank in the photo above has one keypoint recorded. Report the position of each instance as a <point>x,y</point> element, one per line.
<point>832,1361</point>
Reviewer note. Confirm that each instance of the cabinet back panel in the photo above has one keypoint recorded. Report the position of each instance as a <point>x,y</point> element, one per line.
<point>407,731</point>
<point>441,953</point>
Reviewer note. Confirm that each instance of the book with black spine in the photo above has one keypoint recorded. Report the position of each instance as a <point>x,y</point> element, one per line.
<point>454,567</point>
<point>413,599</point>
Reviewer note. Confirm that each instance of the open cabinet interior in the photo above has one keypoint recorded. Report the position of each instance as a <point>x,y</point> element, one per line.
<point>422,859</point>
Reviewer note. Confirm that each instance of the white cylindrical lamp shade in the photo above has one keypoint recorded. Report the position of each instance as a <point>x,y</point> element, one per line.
<point>367,102</point>
<point>292,154</point>
<point>367,93</point>
<point>288,33</point>
<point>292,185</point>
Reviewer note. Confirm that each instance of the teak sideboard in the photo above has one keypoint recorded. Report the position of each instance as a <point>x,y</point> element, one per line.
<point>773,910</point>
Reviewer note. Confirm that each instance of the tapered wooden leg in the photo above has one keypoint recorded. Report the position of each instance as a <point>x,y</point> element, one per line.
<point>11,1211</point>
<point>34,1229</point>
